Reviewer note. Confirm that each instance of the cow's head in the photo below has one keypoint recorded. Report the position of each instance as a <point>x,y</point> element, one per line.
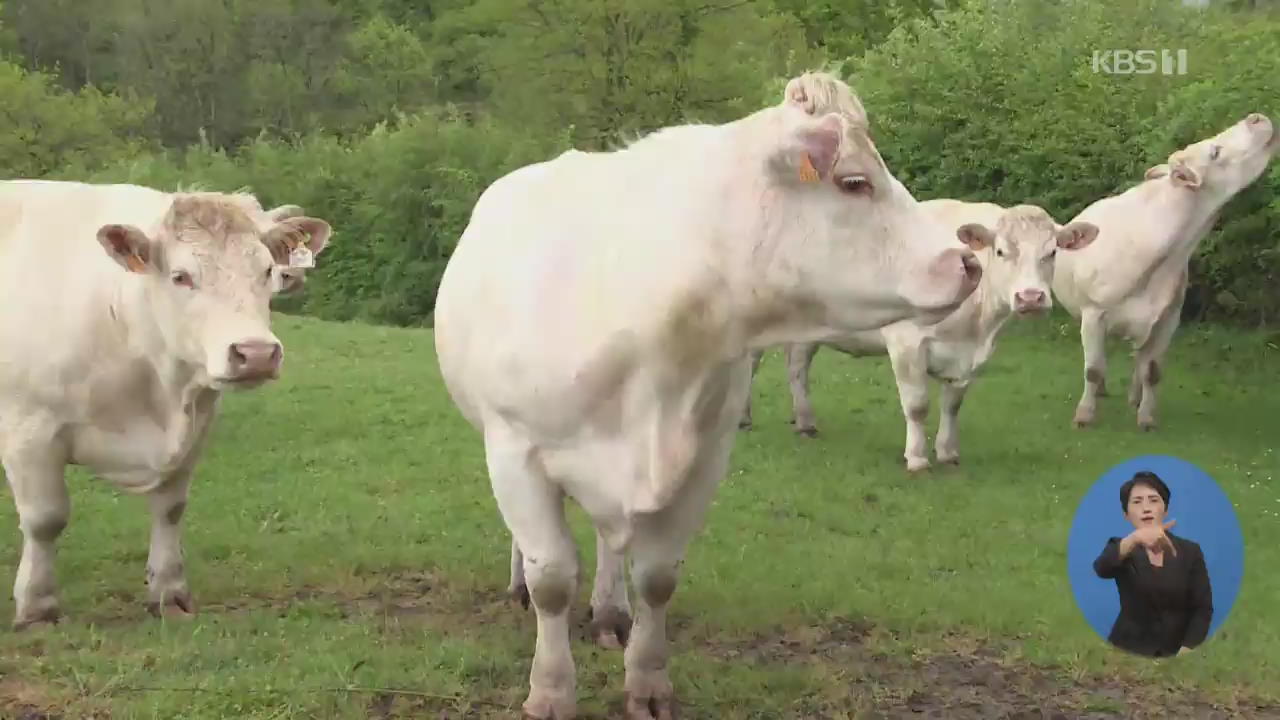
<point>1226,163</point>
<point>210,268</point>
<point>1018,255</point>
<point>844,228</point>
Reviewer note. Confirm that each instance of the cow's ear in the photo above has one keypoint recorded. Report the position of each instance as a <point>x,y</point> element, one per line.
<point>976,235</point>
<point>284,211</point>
<point>128,246</point>
<point>810,150</point>
<point>1184,176</point>
<point>1076,234</point>
<point>295,241</point>
<point>1156,171</point>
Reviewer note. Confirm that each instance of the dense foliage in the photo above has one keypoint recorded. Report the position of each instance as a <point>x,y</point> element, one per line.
<point>388,117</point>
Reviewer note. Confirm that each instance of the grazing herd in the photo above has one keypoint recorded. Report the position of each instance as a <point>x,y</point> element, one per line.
<point>598,324</point>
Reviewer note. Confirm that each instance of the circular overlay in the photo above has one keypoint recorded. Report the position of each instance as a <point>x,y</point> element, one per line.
<point>1203,513</point>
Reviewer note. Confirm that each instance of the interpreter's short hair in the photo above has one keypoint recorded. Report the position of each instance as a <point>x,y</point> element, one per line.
<point>1143,477</point>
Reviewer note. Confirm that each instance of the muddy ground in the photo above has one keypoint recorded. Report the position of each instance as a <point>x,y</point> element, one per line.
<point>970,681</point>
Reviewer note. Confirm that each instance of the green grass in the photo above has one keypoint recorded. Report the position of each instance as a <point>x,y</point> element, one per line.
<point>341,539</point>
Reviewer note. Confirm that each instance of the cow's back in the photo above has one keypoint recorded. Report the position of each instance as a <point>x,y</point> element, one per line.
<point>564,270</point>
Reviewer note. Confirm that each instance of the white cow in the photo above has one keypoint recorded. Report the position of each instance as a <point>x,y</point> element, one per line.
<point>594,323</point>
<point>1017,261</point>
<point>1132,282</point>
<point>125,312</point>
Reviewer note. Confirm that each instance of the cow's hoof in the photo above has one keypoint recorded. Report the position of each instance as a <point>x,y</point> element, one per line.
<point>1083,418</point>
<point>915,465</point>
<point>650,708</point>
<point>544,705</point>
<point>949,459</point>
<point>518,597</point>
<point>807,431</point>
<point>43,615</point>
<point>177,606</point>
<point>1147,424</point>
<point>610,628</point>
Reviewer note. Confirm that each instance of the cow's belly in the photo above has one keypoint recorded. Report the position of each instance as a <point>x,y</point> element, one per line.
<point>862,344</point>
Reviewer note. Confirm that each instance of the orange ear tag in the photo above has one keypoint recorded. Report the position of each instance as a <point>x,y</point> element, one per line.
<point>135,263</point>
<point>808,173</point>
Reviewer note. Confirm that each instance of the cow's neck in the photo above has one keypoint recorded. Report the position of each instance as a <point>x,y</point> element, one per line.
<point>1184,223</point>
<point>180,404</point>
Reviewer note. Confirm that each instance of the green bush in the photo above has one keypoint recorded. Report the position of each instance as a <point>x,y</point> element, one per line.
<point>397,199</point>
<point>44,128</point>
<point>998,100</point>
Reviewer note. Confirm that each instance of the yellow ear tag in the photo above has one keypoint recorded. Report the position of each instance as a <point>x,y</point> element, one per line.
<point>808,173</point>
<point>135,263</point>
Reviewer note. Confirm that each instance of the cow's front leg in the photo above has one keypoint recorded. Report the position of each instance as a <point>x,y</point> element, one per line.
<point>1093,340</point>
<point>610,610</point>
<point>756,357</point>
<point>35,474</point>
<point>517,588</point>
<point>799,360</point>
<point>948,442</point>
<point>167,591</point>
<point>910,370</point>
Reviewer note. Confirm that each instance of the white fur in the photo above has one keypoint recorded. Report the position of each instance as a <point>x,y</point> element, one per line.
<point>1132,282</point>
<point>594,321</point>
<point>1023,245</point>
<point>121,371</point>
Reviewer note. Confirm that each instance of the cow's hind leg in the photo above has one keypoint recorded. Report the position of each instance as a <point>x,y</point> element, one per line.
<point>167,591</point>
<point>657,550</point>
<point>610,609</point>
<point>34,469</point>
<point>533,509</point>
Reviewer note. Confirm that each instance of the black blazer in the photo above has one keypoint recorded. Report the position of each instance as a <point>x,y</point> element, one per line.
<point>1161,608</point>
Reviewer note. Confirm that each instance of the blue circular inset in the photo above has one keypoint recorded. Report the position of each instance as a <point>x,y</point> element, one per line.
<point>1202,512</point>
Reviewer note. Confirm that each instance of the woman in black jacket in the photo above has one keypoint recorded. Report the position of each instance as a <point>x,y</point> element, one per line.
<point>1165,599</point>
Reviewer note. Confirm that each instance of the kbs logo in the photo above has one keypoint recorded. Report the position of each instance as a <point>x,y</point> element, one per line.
<point>1140,62</point>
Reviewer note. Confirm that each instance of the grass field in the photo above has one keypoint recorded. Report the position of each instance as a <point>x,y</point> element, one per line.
<point>348,560</point>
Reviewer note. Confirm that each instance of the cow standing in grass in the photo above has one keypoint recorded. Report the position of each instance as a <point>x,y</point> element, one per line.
<point>595,320</point>
<point>125,312</point>
<point>1132,282</point>
<point>1017,248</point>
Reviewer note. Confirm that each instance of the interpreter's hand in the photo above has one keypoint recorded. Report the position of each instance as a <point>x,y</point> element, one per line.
<point>1154,537</point>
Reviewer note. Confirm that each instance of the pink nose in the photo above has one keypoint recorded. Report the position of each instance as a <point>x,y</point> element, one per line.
<point>255,358</point>
<point>1030,298</point>
<point>953,260</point>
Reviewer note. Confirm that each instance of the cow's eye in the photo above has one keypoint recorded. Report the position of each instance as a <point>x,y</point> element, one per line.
<point>267,276</point>
<point>182,278</point>
<point>1214,152</point>
<point>855,184</point>
<point>999,252</point>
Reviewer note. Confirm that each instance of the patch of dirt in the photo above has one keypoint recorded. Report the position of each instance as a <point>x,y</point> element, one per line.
<point>854,679</point>
<point>21,700</point>
<point>970,681</point>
